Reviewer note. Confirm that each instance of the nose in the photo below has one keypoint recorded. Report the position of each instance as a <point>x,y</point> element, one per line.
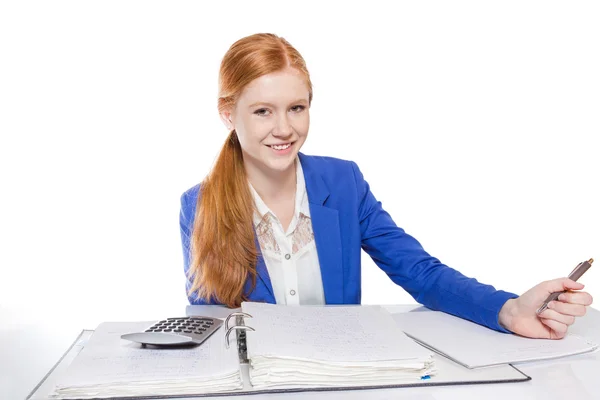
<point>283,127</point>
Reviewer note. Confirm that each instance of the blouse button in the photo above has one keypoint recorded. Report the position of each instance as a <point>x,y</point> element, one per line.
<point>287,256</point>
<point>292,292</point>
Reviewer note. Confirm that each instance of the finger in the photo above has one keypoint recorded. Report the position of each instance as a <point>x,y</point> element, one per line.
<point>570,284</point>
<point>582,298</point>
<point>556,316</point>
<point>562,284</point>
<point>559,330</point>
<point>576,310</point>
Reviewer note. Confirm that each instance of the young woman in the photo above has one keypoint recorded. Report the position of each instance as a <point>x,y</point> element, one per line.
<point>271,224</point>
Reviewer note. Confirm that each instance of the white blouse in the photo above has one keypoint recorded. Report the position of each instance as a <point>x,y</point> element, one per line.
<point>290,257</point>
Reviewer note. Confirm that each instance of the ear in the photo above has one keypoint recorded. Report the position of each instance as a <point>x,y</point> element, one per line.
<point>227,118</point>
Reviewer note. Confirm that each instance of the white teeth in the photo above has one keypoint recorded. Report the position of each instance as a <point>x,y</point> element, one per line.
<point>282,147</point>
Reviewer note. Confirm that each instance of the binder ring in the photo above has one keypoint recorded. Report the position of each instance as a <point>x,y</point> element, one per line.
<point>235,314</point>
<point>246,328</point>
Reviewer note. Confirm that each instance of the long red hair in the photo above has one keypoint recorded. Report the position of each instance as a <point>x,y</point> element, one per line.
<point>223,250</point>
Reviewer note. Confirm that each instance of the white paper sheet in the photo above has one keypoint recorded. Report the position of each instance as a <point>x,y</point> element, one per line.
<point>476,346</point>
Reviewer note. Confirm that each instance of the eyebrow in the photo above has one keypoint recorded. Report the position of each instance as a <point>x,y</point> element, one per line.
<point>263,103</point>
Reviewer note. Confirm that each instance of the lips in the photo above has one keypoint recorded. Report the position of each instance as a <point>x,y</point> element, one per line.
<point>282,149</point>
<point>280,146</point>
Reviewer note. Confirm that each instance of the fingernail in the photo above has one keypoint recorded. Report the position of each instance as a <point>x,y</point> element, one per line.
<point>562,297</point>
<point>551,304</point>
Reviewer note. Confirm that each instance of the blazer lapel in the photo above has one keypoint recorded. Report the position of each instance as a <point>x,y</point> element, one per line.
<point>326,229</point>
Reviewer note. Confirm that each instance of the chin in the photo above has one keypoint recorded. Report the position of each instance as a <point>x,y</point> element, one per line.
<point>281,164</point>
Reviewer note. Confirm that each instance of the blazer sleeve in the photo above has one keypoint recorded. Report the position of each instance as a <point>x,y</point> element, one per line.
<point>186,222</point>
<point>424,277</point>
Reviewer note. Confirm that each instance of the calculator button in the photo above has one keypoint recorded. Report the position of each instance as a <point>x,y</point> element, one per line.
<point>186,331</point>
<point>167,330</point>
<point>177,330</point>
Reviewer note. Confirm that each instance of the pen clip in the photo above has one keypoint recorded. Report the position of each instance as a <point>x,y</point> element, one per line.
<point>575,269</point>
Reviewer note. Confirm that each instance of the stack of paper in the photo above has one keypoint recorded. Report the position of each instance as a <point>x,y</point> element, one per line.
<point>109,366</point>
<point>330,346</point>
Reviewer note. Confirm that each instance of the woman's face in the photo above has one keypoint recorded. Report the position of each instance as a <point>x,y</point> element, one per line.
<point>271,120</point>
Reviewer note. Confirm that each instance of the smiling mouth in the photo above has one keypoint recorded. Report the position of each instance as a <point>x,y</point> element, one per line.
<point>281,146</point>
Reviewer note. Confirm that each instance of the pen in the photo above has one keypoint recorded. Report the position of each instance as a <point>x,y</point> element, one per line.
<point>574,275</point>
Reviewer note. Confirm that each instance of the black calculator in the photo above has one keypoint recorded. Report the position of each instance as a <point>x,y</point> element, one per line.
<point>183,331</point>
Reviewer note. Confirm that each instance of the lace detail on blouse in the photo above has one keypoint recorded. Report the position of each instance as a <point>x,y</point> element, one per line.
<point>303,234</point>
<point>266,237</point>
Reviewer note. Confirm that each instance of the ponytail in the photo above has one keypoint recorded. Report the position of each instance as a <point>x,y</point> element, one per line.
<point>223,246</point>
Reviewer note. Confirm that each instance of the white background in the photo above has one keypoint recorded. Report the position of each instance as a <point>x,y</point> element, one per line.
<point>476,125</point>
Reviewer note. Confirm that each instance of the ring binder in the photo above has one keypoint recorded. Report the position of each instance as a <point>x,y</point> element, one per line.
<point>299,340</point>
<point>238,321</point>
<point>235,328</point>
<point>240,328</point>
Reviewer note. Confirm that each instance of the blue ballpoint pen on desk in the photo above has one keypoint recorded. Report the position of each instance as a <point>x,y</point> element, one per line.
<point>574,275</point>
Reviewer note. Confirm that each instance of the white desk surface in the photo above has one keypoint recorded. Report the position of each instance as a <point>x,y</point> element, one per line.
<point>28,351</point>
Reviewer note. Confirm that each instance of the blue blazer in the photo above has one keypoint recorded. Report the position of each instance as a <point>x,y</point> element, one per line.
<point>346,218</point>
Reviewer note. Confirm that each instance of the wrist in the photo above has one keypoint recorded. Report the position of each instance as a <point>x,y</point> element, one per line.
<point>505,316</point>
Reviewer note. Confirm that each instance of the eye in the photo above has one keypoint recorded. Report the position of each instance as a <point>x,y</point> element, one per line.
<point>298,108</point>
<point>262,112</point>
